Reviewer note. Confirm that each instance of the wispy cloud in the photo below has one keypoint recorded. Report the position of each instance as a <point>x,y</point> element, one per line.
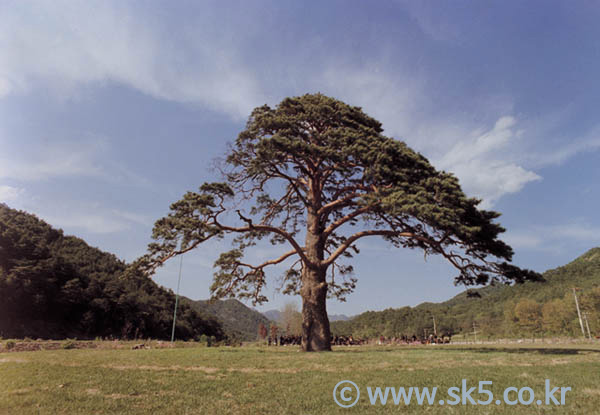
<point>431,20</point>
<point>90,217</point>
<point>63,45</point>
<point>56,159</point>
<point>88,155</point>
<point>9,193</point>
<point>569,147</point>
<point>71,42</point>
<point>4,87</point>
<point>554,238</point>
<point>132,217</point>
<point>89,222</point>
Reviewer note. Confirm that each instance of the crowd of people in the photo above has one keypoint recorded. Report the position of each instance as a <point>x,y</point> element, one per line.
<point>285,340</point>
<point>352,341</point>
<point>347,341</point>
<point>431,339</point>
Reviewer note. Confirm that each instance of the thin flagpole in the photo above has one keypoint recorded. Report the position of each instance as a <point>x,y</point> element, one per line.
<point>176,301</point>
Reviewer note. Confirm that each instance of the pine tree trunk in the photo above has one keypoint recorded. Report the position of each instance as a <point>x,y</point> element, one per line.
<point>316,335</point>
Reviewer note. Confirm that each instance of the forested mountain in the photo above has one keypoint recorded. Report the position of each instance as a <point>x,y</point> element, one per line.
<point>57,286</point>
<point>546,308</point>
<point>238,321</point>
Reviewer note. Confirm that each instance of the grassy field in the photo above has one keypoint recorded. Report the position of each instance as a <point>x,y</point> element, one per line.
<point>255,380</point>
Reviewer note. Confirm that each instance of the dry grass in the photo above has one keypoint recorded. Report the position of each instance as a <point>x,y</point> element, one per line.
<point>255,380</point>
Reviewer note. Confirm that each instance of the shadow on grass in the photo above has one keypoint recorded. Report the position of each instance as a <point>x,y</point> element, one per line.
<point>538,350</point>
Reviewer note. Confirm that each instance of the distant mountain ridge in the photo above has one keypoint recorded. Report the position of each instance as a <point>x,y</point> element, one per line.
<point>275,315</point>
<point>238,320</point>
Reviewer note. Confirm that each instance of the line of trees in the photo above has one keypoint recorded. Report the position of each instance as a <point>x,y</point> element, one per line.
<point>557,317</point>
<point>524,317</point>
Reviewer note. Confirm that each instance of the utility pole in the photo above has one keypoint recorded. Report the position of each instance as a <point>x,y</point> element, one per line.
<point>434,326</point>
<point>578,311</point>
<point>585,317</point>
<point>176,301</point>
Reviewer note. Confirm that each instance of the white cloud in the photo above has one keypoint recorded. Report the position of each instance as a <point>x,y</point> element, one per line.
<point>490,180</point>
<point>9,193</point>
<point>484,164</point>
<point>69,43</point>
<point>479,146</point>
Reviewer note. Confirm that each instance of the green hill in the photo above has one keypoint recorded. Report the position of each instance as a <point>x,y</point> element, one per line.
<point>499,310</point>
<point>238,321</point>
<point>57,286</point>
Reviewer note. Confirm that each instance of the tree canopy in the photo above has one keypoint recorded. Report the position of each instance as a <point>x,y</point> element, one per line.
<point>317,169</point>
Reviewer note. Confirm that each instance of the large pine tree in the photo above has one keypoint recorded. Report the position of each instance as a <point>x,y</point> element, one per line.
<point>310,169</point>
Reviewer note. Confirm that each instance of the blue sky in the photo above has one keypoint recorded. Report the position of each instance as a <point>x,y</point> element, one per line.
<point>110,111</point>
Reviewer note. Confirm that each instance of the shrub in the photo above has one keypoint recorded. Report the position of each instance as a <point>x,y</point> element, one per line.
<point>68,344</point>
<point>10,344</point>
<point>212,341</point>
